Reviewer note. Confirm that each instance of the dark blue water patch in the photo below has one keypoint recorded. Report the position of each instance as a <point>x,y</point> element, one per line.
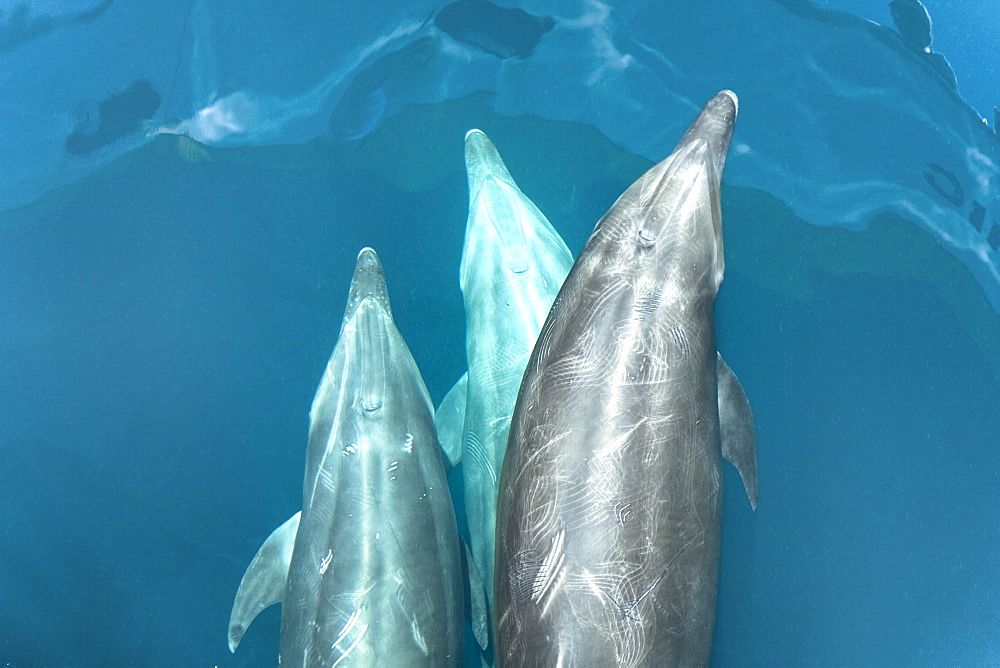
<point>502,32</point>
<point>85,556</point>
<point>877,518</point>
<point>118,116</point>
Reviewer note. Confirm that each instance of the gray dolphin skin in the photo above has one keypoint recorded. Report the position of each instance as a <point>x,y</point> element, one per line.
<point>371,573</point>
<point>513,264</point>
<point>608,524</point>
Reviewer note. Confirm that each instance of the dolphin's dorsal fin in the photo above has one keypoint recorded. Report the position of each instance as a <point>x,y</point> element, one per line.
<point>739,440</point>
<point>477,602</point>
<point>450,420</point>
<point>263,584</point>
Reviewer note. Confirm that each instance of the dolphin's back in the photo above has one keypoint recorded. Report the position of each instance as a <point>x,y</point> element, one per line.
<point>610,496</point>
<point>618,469</point>
<point>375,575</point>
<point>513,263</point>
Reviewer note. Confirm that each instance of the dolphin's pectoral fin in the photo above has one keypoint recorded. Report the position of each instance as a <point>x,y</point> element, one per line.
<point>739,441</point>
<point>263,584</point>
<point>450,420</point>
<point>477,597</point>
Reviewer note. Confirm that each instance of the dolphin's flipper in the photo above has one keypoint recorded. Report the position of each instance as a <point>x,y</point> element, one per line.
<point>739,441</point>
<point>450,420</point>
<point>263,584</point>
<point>477,594</point>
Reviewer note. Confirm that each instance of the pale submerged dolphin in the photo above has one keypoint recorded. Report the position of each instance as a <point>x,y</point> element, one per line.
<point>513,264</point>
<point>609,511</point>
<point>370,574</point>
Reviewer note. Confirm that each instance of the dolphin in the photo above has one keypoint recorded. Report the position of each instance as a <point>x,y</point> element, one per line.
<point>608,525</point>
<point>513,264</point>
<point>371,569</point>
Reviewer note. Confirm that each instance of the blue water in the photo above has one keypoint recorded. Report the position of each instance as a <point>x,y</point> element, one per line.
<point>169,305</point>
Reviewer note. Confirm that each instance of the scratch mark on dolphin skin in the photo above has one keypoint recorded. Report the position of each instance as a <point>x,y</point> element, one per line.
<point>648,303</point>
<point>625,609</point>
<point>352,621</point>
<point>619,442</point>
<point>680,337</point>
<point>530,577</point>
<point>347,652</point>
<point>326,479</point>
<point>523,573</point>
<point>502,418</point>
<point>622,512</point>
<point>326,562</point>
<point>551,566</point>
<point>537,452</point>
<point>476,451</point>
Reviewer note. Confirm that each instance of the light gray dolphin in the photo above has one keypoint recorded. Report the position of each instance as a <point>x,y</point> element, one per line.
<point>609,511</point>
<point>513,265</point>
<point>371,573</point>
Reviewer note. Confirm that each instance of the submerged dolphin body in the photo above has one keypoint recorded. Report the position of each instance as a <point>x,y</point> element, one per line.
<point>372,569</point>
<point>513,264</point>
<point>609,511</point>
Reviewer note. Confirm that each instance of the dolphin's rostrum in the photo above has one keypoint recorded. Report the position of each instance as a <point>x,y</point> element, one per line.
<point>609,510</point>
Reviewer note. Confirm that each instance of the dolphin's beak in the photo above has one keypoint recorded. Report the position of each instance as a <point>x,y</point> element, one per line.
<point>368,282</point>
<point>714,125</point>
<point>489,187</point>
<point>482,161</point>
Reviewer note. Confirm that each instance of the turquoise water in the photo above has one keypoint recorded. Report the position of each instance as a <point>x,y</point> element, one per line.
<point>169,304</point>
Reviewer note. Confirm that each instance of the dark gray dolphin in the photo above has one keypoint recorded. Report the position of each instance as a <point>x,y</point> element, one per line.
<point>371,573</point>
<point>609,508</point>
